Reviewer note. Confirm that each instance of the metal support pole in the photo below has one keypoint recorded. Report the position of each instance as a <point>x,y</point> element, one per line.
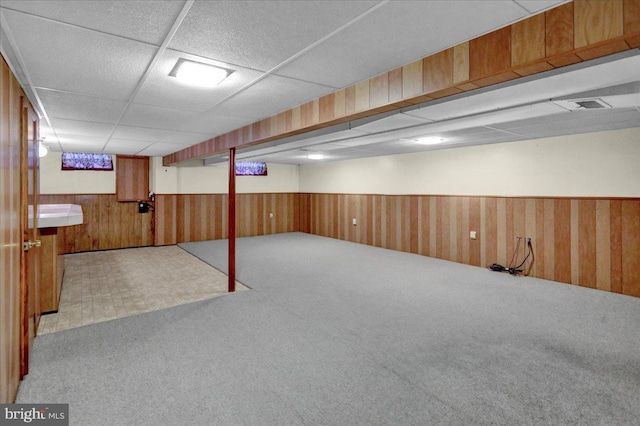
<point>232,220</point>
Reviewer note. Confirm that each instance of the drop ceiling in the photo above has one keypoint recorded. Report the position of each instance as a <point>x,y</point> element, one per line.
<point>98,73</point>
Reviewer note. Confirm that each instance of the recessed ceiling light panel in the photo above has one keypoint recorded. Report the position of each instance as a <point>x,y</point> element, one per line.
<point>315,156</point>
<point>428,140</point>
<point>198,73</point>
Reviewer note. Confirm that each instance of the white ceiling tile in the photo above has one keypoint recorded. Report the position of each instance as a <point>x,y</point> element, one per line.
<point>331,137</point>
<point>46,133</point>
<point>324,147</point>
<point>184,138</point>
<point>271,96</point>
<point>81,128</point>
<point>79,143</point>
<point>139,133</point>
<point>125,146</point>
<point>163,90</point>
<point>396,121</point>
<point>143,20</point>
<point>160,149</point>
<point>155,117</point>
<point>566,119</point>
<point>262,34</point>
<point>396,34</point>
<point>584,122</point>
<point>68,58</point>
<point>535,6</point>
<point>214,124</point>
<point>78,107</point>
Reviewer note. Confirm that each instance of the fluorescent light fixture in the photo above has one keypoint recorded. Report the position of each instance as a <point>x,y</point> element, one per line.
<point>428,140</point>
<point>198,73</point>
<point>315,156</point>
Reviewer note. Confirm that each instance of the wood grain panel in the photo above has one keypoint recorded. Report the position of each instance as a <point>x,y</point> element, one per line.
<point>597,21</point>
<point>528,40</point>
<point>490,54</point>
<point>630,221</point>
<point>631,11</point>
<point>437,72</point>
<point>559,27</point>
<point>473,225</point>
<point>562,240</point>
<point>412,79</point>
<point>501,227</point>
<point>395,85</point>
<point>327,109</point>
<point>490,236</point>
<point>461,63</point>
<point>616,245</point>
<point>362,96</point>
<point>132,178</point>
<point>309,113</point>
<point>603,245</point>
<point>379,90</point>
<point>587,242</point>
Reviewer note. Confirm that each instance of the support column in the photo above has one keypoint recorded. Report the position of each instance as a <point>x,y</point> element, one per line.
<point>232,220</point>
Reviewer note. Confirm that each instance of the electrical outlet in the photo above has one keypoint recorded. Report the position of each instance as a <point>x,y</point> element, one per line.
<point>472,235</point>
<point>355,222</point>
<point>270,215</point>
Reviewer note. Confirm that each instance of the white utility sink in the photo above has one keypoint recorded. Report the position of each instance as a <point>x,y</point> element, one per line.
<point>55,215</point>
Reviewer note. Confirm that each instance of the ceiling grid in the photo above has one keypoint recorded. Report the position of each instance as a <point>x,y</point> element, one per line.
<point>98,71</point>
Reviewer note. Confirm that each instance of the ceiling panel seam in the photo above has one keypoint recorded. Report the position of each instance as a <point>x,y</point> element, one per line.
<point>67,24</point>
<point>273,70</point>
<point>29,82</point>
<point>172,31</point>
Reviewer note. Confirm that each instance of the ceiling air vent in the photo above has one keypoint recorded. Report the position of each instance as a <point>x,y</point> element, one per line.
<point>582,104</point>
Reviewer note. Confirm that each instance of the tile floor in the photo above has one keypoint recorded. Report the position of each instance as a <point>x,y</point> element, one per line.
<point>105,285</point>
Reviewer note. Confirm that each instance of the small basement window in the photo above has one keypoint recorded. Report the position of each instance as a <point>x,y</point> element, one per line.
<point>86,161</point>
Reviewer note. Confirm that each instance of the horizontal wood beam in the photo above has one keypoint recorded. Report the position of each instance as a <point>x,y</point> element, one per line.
<point>565,35</point>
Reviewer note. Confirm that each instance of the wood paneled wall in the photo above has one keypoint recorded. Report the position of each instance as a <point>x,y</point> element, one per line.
<point>10,234</point>
<point>570,33</point>
<point>588,242</point>
<point>108,224</point>
<point>198,217</point>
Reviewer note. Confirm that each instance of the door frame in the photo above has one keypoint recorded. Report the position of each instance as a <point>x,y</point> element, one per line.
<point>29,259</point>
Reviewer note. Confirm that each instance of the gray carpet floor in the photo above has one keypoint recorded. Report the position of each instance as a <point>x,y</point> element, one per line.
<point>335,333</point>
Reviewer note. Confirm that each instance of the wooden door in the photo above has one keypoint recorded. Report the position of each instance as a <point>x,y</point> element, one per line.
<point>30,168</point>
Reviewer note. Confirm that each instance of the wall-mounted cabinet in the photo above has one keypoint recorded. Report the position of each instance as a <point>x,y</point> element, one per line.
<point>132,178</point>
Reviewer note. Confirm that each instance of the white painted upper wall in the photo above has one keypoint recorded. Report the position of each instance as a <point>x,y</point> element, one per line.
<point>215,179</point>
<point>54,180</point>
<point>603,164</point>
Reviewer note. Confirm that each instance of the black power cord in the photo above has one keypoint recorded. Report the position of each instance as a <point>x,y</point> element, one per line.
<point>513,270</point>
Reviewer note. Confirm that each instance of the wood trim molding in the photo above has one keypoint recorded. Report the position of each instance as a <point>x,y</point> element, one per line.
<point>570,33</point>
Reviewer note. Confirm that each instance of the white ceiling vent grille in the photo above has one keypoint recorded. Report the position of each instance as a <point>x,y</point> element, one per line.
<point>582,104</point>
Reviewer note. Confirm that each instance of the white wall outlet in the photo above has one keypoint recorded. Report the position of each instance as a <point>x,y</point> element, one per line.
<point>270,215</point>
<point>355,222</point>
<point>472,235</point>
